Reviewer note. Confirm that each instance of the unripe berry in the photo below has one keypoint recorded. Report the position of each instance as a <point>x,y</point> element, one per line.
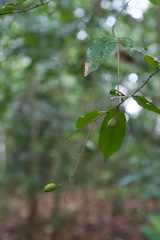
<point>50,187</point>
<point>113,91</point>
<point>112,122</point>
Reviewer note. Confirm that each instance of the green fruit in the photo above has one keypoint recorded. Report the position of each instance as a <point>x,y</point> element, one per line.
<point>113,91</point>
<point>111,122</point>
<point>50,187</point>
<point>116,92</point>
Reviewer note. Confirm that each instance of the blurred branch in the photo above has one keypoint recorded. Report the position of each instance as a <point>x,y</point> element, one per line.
<point>143,84</point>
<point>157,70</point>
<point>117,16</point>
<point>79,157</point>
<point>27,9</point>
<point>123,99</point>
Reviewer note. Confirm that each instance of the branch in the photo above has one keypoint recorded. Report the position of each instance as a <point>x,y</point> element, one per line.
<point>79,157</point>
<point>146,81</point>
<point>117,16</point>
<point>25,10</point>
<point>126,97</point>
<point>123,99</point>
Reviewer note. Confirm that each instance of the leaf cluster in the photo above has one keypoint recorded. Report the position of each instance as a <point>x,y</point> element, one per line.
<point>113,128</point>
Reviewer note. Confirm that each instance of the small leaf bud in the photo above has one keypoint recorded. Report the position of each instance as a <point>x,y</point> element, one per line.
<point>50,187</point>
<point>112,122</point>
<point>113,91</point>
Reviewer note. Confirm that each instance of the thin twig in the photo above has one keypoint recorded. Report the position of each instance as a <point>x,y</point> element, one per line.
<point>78,130</point>
<point>146,81</point>
<point>126,97</point>
<point>42,2</point>
<point>118,71</point>
<point>25,10</point>
<point>71,178</point>
<point>117,16</point>
<point>123,99</point>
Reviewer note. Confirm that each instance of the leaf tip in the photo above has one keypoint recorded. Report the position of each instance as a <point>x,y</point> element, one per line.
<point>87,68</point>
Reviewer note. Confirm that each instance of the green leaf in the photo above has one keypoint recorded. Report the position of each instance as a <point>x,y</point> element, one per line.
<point>126,43</point>
<point>12,7</point>
<point>130,46</point>
<point>88,118</point>
<point>111,137</point>
<point>21,1</point>
<point>153,62</point>
<point>143,102</point>
<point>155,220</point>
<point>150,232</point>
<point>155,2</point>
<point>98,53</point>
<point>9,7</point>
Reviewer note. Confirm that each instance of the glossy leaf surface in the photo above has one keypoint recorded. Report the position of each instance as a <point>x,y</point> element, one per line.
<point>154,63</point>
<point>130,46</point>
<point>88,118</point>
<point>155,2</point>
<point>98,53</point>
<point>143,102</point>
<point>17,6</point>
<point>9,7</point>
<point>111,137</point>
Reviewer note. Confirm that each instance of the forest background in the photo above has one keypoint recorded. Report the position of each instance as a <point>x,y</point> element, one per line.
<point>43,91</point>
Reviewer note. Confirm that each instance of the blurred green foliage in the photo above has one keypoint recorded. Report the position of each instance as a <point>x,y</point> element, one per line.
<point>43,91</point>
<point>152,231</point>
